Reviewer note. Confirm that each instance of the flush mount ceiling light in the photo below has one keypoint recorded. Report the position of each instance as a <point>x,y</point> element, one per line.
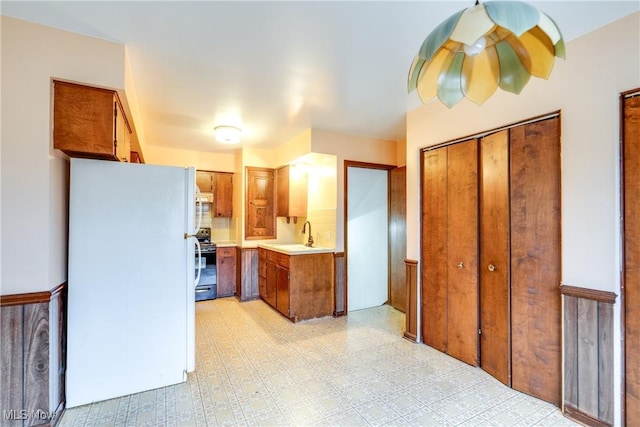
<point>494,44</point>
<point>227,134</point>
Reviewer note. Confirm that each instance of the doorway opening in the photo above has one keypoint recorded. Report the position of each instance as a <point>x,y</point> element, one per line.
<point>366,235</point>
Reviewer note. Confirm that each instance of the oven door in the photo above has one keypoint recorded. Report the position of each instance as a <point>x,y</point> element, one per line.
<point>207,288</point>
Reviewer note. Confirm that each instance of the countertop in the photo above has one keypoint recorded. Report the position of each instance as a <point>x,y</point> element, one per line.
<point>225,243</point>
<point>294,248</point>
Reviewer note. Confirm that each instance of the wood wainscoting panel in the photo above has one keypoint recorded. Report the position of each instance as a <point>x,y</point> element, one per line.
<point>588,355</point>
<point>247,273</point>
<point>33,356</point>
<point>339,280</point>
<point>570,350</point>
<point>36,357</point>
<point>11,350</point>
<point>411,315</point>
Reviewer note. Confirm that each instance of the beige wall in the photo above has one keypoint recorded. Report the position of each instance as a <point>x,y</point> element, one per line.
<point>218,162</point>
<point>585,88</point>
<point>34,176</point>
<point>354,148</point>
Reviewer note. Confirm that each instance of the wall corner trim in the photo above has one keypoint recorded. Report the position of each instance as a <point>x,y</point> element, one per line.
<point>586,293</point>
<point>31,298</point>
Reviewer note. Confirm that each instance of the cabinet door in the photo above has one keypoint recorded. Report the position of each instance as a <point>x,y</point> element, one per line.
<point>121,132</point>
<point>282,193</point>
<point>223,194</point>
<point>291,191</point>
<point>204,181</point>
<point>226,271</point>
<point>535,259</point>
<point>260,220</point>
<point>272,283</point>
<point>83,121</point>
<point>494,259</point>
<point>282,300</point>
<point>262,273</point>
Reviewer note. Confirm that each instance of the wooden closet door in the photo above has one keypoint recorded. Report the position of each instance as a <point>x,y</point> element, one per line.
<point>631,153</point>
<point>494,256</point>
<point>462,252</point>
<point>536,259</point>
<point>434,249</point>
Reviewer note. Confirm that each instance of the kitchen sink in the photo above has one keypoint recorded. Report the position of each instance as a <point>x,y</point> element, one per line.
<point>294,248</point>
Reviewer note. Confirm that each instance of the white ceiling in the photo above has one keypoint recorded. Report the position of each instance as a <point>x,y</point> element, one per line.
<point>277,68</point>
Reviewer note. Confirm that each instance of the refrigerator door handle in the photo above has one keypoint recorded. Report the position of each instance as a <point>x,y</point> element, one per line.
<point>197,281</point>
<point>199,211</point>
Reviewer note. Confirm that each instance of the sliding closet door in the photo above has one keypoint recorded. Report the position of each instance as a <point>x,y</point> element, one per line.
<point>434,249</point>
<point>631,184</point>
<point>494,256</point>
<point>535,259</point>
<point>462,248</point>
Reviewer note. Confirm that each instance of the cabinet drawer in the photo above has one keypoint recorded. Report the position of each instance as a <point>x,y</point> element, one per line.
<point>283,260</point>
<point>272,256</point>
<point>262,253</point>
<point>226,252</point>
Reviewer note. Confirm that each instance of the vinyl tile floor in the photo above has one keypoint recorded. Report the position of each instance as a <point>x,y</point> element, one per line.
<point>255,368</point>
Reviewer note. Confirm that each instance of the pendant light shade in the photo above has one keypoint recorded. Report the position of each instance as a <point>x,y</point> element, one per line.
<point>475,51</point>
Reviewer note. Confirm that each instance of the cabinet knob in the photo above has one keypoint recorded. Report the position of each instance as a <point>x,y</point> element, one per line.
<point>460,265</point>
<point>492,267</point>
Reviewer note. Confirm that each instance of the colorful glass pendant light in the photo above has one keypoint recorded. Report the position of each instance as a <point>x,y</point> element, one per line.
<point>490,45</point>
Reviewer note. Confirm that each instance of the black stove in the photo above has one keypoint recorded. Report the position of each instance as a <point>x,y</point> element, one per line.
<point>207,287</point>
<point>204,237</point>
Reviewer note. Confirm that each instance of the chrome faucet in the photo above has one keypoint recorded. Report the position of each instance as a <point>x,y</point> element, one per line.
<point>304,229</point>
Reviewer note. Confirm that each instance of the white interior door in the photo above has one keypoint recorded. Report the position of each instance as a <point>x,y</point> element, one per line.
<point>367,238</point>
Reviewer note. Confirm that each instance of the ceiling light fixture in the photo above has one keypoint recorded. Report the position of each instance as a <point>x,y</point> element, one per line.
<point>490,45</point>
<point>227,134</point>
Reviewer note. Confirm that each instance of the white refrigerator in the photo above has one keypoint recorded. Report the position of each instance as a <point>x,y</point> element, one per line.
<point>131,296</point>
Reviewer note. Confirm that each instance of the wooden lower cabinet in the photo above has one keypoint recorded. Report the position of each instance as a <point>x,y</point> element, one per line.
<point>282,285</point>
<point>300,287</point>
<point>226,271</point>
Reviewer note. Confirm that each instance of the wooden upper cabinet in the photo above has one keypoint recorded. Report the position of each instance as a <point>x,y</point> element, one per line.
<point>90,122</point>
<point>223,194</point>
<point>220,184</point>
<point>204,181</point>
<point>292,191</point>
<point>260,218</point>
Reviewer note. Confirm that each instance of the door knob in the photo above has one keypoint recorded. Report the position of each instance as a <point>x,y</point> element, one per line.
<point>461,265</point>
<point>492,267</point>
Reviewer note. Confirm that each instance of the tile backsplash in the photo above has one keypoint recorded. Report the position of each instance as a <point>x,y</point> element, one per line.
<point>222,229</point>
